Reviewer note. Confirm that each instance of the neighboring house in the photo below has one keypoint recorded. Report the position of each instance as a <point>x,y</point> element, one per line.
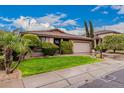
<point>80,44</point>
<point>99,35</point>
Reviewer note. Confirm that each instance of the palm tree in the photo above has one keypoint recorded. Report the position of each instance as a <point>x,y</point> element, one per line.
<point>11,42</point>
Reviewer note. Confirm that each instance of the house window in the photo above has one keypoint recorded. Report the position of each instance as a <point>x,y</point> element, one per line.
<point>43,39</point>
<point>57,41</point>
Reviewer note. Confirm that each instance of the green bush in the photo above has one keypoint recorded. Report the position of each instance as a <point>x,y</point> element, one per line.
<point>34,40</point>
<point>66,47</point>
<point>49,48</point>
<point>98,55</point>
<point>1,63</point>
<point>101,47</point>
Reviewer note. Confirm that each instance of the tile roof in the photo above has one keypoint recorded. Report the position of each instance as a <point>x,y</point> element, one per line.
<point>105,32</point>
<point>56,33</point>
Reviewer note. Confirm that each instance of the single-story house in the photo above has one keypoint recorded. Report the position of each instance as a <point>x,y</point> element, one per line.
<point>99,35</point>
<point>80,44</point>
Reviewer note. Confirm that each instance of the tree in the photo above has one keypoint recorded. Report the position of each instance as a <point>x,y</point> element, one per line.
<point>114,42</point>
<point>91,30</point>
<point>13,42</point>
<point>91,33</point>
<point>86,29</point>
<point>100,47</point>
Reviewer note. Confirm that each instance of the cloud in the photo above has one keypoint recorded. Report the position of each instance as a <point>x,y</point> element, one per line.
<point>116,18</point>
<point>57,20</point>
<point>119,8</point>
<point>116,7</point>
<point>7,19</point>
<point>119,27</point>
<point>6,27</point>
<point>46,22</point>
<point>68,22</point>
<point>2,25</point>
<point>29,24</point>
<point>104,12</point>
<point>51,18</point>
<point>96,8</point>
<point>99,7</point>
<point>76,31</point>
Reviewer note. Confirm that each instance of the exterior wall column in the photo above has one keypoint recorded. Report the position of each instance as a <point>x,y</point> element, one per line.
<point>94,42</point>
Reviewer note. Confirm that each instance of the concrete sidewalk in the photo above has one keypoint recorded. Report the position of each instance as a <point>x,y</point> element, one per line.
<point>71,77</point>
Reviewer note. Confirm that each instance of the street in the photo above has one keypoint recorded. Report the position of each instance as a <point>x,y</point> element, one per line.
<point>113,80</point>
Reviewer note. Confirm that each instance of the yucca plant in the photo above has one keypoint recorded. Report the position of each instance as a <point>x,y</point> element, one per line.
<point>13,42</point>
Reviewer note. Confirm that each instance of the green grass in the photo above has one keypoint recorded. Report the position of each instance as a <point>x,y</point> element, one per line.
<point>41,65</point>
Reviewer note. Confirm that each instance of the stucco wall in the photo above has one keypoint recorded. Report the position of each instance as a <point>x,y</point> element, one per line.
<point>51,40</point>
<point>48,39</point>
<point>79,46</point>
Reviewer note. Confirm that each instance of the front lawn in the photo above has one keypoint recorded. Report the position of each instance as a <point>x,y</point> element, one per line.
<point>41,65</point>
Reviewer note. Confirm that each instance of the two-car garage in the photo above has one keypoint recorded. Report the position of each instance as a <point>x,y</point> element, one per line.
<point>81,47</point>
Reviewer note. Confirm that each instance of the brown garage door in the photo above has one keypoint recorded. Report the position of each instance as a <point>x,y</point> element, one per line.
<point>81,47</point>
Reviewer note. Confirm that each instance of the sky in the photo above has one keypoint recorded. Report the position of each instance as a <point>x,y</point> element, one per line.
<point>69,18</point>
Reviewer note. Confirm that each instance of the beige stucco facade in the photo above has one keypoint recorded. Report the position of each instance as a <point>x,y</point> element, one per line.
<point>79,46</point>
<point>51,40</point>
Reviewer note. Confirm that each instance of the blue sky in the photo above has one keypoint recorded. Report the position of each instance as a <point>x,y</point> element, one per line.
<point>68,18</point>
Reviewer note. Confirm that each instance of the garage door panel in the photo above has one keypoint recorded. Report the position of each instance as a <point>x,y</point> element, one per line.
<point>81,47</point>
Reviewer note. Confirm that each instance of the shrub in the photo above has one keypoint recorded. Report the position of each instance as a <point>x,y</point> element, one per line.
<point>49,48</point>
<point>66,47</point>
<point>1,63</point>
<point>34,40</point>
<point>98,55</point>
<point>101,47</point>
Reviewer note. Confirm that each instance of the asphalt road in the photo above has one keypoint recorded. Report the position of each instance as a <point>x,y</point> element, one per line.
<point>113,80</point>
